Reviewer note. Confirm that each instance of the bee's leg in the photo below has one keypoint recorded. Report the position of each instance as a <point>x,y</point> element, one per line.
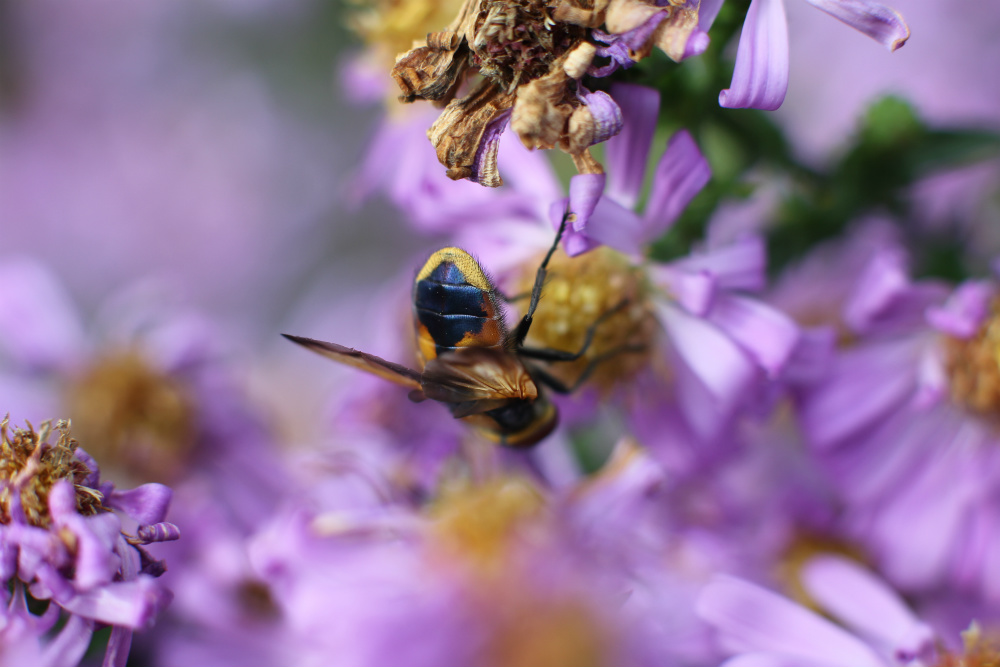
<point>548,354</point>
<point>560,387</point>
<point>521,330</point>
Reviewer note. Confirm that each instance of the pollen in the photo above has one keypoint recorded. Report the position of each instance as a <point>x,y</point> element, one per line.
<point>981,650</point>
<point>479,523</point>
<point>973,368</point>
<point>30,466</point>
<point>579,291</point>
<point>138,421</point>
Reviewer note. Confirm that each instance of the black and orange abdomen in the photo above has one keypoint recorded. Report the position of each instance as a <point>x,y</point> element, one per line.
<point>455,305</point>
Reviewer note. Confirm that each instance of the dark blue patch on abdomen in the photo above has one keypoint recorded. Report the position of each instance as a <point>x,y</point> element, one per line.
<point>449,330</point>
<point>450,299</point>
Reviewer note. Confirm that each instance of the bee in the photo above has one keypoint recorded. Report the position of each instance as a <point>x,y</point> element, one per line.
<point>469,359</point>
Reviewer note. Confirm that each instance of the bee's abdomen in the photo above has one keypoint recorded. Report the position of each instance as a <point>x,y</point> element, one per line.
<point>451,309</point>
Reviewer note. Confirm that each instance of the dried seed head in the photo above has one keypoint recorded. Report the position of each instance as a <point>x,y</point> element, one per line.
<point>30,466</point>
<point>135,419</point>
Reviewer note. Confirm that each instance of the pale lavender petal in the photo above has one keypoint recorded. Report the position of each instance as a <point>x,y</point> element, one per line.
<point>761,621</point>
<point>770,660</point>
<point>119,644</point>
<point>720,373</point>
<point>767,334</point>
<point>94,477</point>
<point>147,504</point>
<point>964,311</point>
<point>697,44</point>
<point>616,227</point>
<point>693,291</point>
<point>68,647</point>
<point>867,605</point>
<point>132,604</point>
<point>607,115</point>
<point>38,326</point>
<point>626,154</point>
<point>489,144</point>
<point>584,193</point>
<point>885,374</point>
<point>883,24</point>
<point>681,174</point>
<point>573,242</point>
<point>738,265</point>
<point>813,355</point>
<point>760,79</point>
<point>884,299</point>
<point>707,11</point>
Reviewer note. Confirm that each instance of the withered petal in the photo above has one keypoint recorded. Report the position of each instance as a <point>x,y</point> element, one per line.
<point>461,128</point>
<point>432,72</point>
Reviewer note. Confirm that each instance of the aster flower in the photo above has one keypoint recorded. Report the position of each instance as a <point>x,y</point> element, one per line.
<point>761,75</point>
<point>876,627</point>
<point>63,542</point>
<point>496,573</point>
<point>906,410</point>
<point>717,344</point>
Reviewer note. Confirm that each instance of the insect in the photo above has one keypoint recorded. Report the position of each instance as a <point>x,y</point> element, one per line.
<point>470,360</point>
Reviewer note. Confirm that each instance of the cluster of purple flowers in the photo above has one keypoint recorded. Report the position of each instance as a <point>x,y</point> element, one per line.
<point>799,469</point>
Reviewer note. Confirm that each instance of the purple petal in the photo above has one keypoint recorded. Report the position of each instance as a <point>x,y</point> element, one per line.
<point>68,647</point>
<point>867,605</point>
<point>718,371</point>
<point>767,334</point>
<point>707,11</point>
<point>606,113</point>
<point>584,193</point>
<point>883,24</point>
<point>681,174</point>
<point>573,242</point>
<point>758,620</point>
<point>697,43</point>
<point>738,265</point>
<point>147,504</point>
<point>813,355</point>
<point>626,154</point>
<point>885,299</point>
<point>622,45</point>
<point>694,291</point>
<point>119,645</point>
<point>489,144</point>
<point>617,227</point>
<point>159,532</point>
<point>884,374</point>
<point>132,604</point>
<point>964,311</point>
<point>38,327</point>
<point>760,79</point>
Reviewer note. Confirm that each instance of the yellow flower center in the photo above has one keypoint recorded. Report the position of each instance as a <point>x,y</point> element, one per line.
<point>29,463</point>
<point>973,368</point>
<point>531,632</point>
<point>391,27</point>
<point>137,421</point>
<point>479,523</point>
<point>580,290</point>
<point>980,650</point>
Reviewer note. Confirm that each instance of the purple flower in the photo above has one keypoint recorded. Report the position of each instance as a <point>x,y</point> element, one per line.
<point>495,573</point>
<point>902,424</point>
<point>61,541</point>
<point>761,75</point>
<point>764,628</point>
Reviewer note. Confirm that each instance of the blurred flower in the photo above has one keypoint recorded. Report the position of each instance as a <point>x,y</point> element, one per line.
<point>496,573</point>
<point>765,628</point>
<point>61,541</point>
<point>761,75</point>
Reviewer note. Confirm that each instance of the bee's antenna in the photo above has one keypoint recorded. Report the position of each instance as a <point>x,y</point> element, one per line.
<point>521,332</point>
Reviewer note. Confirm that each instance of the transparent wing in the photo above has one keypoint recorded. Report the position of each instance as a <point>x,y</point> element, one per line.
<point>367,362</point>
